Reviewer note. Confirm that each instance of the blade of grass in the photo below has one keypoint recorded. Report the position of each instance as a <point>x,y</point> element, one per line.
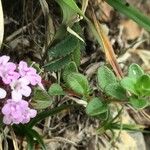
<point>131,12</point>
<point>47,113</point>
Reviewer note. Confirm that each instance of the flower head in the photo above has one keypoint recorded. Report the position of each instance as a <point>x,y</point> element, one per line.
<point>29,73</point>
<point>16,112</point>
<point>7,70</point>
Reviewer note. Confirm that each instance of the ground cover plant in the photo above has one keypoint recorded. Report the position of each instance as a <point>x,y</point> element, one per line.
<point>42,86</point>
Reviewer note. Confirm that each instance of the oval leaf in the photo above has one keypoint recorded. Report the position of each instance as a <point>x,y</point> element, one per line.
<point>55,89</point>
<point>135,71</point>
<point>115,90</point>
<point>69,68</point>
<point>78,83</point>
<point>96,107</point>
<point>138,103</point>
<point>41,99</point>
<point>105,77</point>
<point>143,85</point>
<point>129,84</point>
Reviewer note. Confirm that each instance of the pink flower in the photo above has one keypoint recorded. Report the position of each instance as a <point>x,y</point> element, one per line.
<point>7,70</point>
<point>20,88</point>
<point>29,73</point>
<point>2,93</point>
<point>17,112</point>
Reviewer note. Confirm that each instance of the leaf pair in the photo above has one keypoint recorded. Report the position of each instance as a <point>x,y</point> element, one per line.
<point>138,84</point>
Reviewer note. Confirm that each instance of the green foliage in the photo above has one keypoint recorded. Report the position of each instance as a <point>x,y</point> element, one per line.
<point>68,12</point>
<point>64,47</point>
<point>96,107</point>
<point>139,86</point>
<point>142,85</point>
<point>129,84</point>
<point>31,135</point>
<point>76,55</point>
<point>68,49</point>
<point>131,12</point>
<point>138,103</point>
<point>115,90</point>
<point>55,90</point>
<point>105,77</point>
<point>71,67</point>
<point>57,64</point>
<point>69,6</point>
<point>133,88</point>
<point>30,142</point>
<point>78,83</point>
<point>41,99</point>
<point>135,71</point>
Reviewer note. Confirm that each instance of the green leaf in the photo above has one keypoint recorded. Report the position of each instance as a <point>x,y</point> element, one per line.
<point>65,47</point>
<point>129,84</point>
<point>68,12</point>
<point>135,71</point>
<point>69,68</point>
<point>41,99</point>
<point>31,135</point>
<point>40,104</point>
<point>72,5</point>
<point>138,103</point>
<point>131,12</point>
<point>76,55</point>
<point>57,64</point>
<point>105,77</point>
<point>78,83</point>
<point>55,89</point>
<point>34,134</point>
<point>115,90</point>
<point>96,107</point>
<point>129,127</point>
<point>30,142</point>
<point>143,85</point>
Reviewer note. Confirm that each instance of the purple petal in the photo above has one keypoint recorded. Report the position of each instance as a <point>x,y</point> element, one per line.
<point>6,109</point>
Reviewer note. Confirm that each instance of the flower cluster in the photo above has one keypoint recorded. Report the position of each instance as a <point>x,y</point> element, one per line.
<point>19,78</point>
